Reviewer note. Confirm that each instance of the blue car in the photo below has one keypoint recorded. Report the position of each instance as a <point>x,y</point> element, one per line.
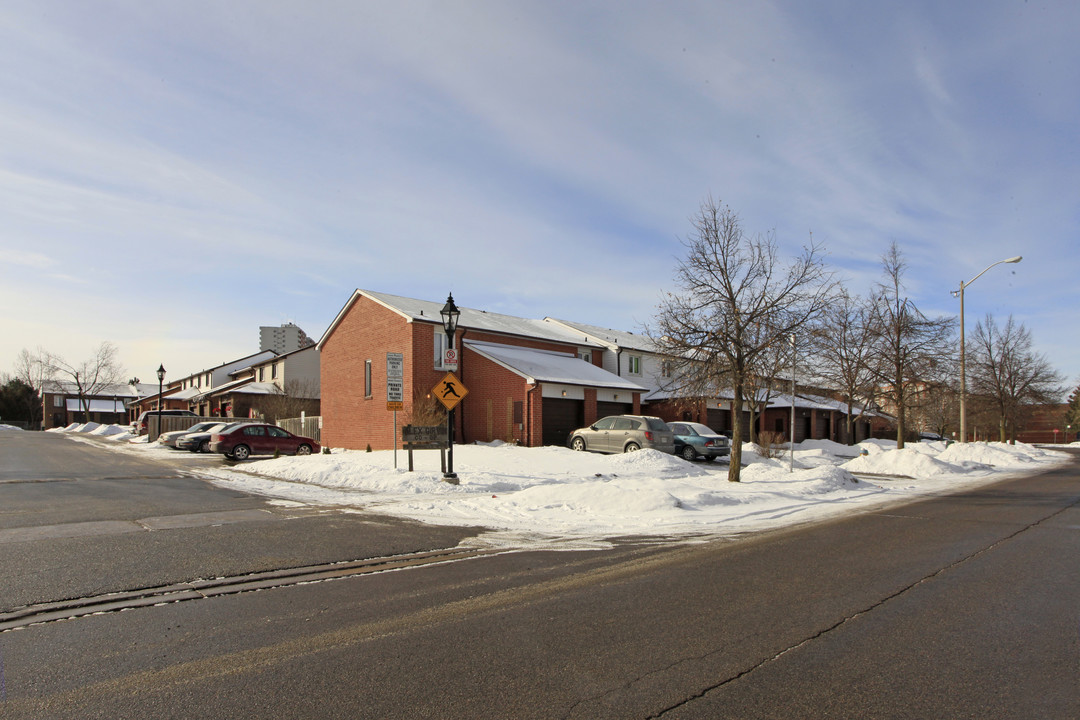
<point>694,440</point>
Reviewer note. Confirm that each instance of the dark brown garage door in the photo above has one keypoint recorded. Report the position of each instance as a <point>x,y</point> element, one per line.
<point>719,420</point>
<point>603,409</point>
<point>561,417</point>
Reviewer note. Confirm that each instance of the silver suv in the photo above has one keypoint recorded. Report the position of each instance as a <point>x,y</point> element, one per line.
<point>624,433</point>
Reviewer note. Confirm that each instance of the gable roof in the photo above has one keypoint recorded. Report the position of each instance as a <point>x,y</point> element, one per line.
<point>608,337</point>
<point>550,367</point>
<point>413,310</point>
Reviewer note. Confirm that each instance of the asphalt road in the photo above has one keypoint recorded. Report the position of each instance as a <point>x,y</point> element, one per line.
<point>958,606</point>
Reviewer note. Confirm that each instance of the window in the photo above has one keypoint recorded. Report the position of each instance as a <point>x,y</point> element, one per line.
<point>58,401</point>
<point>254,430</point>
<point>367,378</point>
<point>585,355</point>
<point>665,369</point>
<point>633,364</point>
<point>518,412</point>
<point>262,374</point>
<point>440,346</point>
<point>277,432</point>
<point>273,371</point>
<point>605,423</point>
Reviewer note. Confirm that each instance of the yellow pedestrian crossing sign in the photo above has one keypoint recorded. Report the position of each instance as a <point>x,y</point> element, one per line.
<point>450,391</point>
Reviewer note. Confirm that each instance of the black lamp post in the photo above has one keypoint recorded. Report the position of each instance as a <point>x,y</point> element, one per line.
<point>160,399</point>
<point>450,315</point>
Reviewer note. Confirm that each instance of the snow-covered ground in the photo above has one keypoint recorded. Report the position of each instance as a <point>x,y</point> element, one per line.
<point>559,497</point>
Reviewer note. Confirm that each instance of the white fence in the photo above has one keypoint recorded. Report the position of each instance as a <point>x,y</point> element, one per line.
<point>310,427</point>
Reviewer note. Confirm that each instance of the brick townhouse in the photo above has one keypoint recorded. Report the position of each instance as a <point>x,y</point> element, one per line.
<point>528,381</point>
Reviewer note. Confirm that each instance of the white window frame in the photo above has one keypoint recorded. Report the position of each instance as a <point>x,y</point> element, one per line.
<point>367,378</point>
<point>440,346</point>
<point>633,365</point>
<point>585,355</point>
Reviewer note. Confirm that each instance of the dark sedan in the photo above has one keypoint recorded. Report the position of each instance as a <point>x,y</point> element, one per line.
<point>694,440</point>
<point>241,441</point>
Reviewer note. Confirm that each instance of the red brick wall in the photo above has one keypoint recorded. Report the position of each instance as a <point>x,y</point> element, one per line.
<point>487,411</point>
<point>367,331</point>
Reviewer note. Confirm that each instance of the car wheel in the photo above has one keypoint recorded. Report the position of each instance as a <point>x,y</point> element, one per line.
<point>688,453</point>
<point>578,444</point>
<point>204,446</point>
<point>631,447</point>
<point>241,452</point>
<point>303,450</point>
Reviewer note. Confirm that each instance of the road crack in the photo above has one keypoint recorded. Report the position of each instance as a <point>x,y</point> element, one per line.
<point>847,619</point>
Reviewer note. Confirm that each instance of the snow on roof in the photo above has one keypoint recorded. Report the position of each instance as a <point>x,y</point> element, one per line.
<point>415,310</point>
<point>186,394</point>
<point>258,388</point>
<point>210,392</point>
<point>550,367</point>
<point>105,406</point>
<point>66,387</point>
<point>614,339</point>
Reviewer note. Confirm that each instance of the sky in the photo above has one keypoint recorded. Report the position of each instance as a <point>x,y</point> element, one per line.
<point>175,175</point>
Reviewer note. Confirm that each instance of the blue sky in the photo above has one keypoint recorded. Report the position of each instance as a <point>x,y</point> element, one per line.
<point>174,175</point>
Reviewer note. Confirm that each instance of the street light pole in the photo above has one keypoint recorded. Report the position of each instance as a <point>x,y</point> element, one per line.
<point>450,314</point>
<point>791,453</point>
<point>160,399</point>
<point>963,367</point>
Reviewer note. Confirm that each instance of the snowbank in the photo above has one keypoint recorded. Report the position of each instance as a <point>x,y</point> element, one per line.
<point>555,495</point>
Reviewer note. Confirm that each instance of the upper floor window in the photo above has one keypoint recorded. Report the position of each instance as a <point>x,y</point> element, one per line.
<point>262,373</point>
<point>440,346</point>
<point>585,355</point>
<point>633,365</point>
<point>273,371</point>
<point>665,369</point>
<point>58,401</point>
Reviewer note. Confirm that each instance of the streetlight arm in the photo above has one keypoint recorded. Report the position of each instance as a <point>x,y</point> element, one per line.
<point>1016,259</point>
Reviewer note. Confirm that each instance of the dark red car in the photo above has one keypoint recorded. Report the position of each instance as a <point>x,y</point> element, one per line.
<point>241,441</point>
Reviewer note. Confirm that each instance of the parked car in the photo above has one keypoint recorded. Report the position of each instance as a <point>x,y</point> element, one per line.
<point>624,433</point>
<point>170,438</point>
<point>240,441</point>
<point>141,425</point>
<point>694,440</point>
<point>200,441</point>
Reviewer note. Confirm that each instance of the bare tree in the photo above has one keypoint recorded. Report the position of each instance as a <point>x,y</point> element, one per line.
<point>32,370</point>
<point>908,345</point>
<point>90,377</point>
<point>288,401</point>
<point>1010,373</point>
<point>736,302</point>
<point>844,358</point>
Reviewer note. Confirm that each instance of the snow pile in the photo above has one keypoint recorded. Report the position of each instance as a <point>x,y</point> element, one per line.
<point>9,427</point>
<point>909,462</point>
<point>564,498</point>
<point>998,454</point>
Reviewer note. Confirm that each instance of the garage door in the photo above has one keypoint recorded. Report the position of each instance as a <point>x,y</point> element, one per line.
<point>719,420</point>
<point>603,409</point>
<point>561,417</point>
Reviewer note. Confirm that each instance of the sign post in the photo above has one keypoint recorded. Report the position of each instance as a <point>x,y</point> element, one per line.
<point>450,391</point>
<point>395,389</point>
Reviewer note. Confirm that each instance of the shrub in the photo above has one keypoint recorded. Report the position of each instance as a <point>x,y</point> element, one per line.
<point>771,444</point>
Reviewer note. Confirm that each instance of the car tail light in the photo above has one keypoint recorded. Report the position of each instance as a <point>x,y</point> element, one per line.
<point>708,443</point>
<point>648,435</point>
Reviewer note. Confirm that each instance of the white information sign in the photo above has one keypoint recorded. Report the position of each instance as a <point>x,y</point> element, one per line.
<point>450,361</point>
